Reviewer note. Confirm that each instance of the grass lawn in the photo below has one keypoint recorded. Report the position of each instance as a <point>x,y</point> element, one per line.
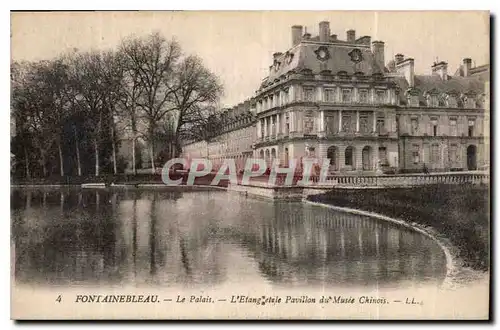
<point>459,212</point>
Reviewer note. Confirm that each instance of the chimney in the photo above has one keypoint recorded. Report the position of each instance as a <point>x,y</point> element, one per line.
<point>296,34</point>
<point>399,58</point>
<point>351,36</point>
<point>467,66</point>
<point>440,69</point>
<point>406,68</point>
<point>333,37</point>
<point>378,53</point>
<point>324,31</point>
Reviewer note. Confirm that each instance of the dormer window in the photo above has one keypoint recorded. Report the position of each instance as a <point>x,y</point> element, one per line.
<point>412,96</point>
<point>432,100</point>
<point>276,65</point>
<point>450,100</point>
<point>470,102</point>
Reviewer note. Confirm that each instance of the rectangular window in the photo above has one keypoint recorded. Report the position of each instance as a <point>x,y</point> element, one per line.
<point>308,124</point>
<point>471,127</point>
<point>309,94</point>
<point>329,95</point>
<point>349,155</point>
<point>453,155</point>
<point>416,154</point>
<point>434,126</point>
<point>381,97</point>
<point>364,123</point>
<point>380,125</point>
<point>330,124</point>
<point>435,154</point>
<point>453,127</point>
<point>363,96</point>
<point>346,96</point>
<point>382,155</point>
<point>285,96</point>
<point>414,126</point>
<point>346,123</point>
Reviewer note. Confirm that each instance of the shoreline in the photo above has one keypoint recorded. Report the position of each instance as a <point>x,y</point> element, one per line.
<point>453,261</point>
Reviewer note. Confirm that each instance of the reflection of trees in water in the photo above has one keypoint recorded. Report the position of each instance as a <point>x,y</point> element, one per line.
<point>92,236</point>
<point>311,245</point>
<point>168,237</point>
<point>55,245</point>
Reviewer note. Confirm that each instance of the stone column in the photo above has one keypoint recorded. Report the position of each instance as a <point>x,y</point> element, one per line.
<point>357,121</point>
<point>321,121</point>
<point>259,128</point>
<point>340,120</point>
<point>278,125</point>
<point>374,121</point>
<point>265,126</point>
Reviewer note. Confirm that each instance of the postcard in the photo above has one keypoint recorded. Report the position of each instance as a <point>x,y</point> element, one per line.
<point>250,165</point>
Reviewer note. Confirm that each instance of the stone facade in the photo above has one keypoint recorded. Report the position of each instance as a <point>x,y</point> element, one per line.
<point>337,99</point>
<point>235,140</point>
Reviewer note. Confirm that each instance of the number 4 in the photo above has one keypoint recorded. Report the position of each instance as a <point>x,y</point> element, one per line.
<point>58,299</point>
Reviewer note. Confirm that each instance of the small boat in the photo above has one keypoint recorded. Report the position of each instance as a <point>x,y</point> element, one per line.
<point>93,185</point>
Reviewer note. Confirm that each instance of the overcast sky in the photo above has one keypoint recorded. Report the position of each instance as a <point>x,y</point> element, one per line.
<point>238,46</point>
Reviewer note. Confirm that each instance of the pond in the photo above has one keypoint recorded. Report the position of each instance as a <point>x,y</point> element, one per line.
<point>197,239</point>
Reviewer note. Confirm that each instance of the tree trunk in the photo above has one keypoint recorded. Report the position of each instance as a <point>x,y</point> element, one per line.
<point>134,133</point>
<point>44,165</point>
<point>78,164</point>
<point>113,146</point>
<point>134,169</point>
<point>96,150</point>
<point>27,163</point>
<point>152,154</point>
<point>61,161</point>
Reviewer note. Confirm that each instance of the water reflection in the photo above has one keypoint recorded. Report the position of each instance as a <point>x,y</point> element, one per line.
<point>202,238</point>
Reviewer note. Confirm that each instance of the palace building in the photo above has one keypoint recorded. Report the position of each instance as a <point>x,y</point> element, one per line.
<point>235,140</point>
<point>338,99</point>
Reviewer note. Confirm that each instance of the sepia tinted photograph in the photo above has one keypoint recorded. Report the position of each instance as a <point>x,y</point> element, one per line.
<point>245,165</point>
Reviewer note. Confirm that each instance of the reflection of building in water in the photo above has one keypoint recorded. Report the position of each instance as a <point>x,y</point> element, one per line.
<point>173,244</point>
<point>314,246</point>
<point>104,237</point>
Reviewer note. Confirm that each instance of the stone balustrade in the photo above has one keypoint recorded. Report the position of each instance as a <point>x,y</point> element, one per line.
<point>406,180</point>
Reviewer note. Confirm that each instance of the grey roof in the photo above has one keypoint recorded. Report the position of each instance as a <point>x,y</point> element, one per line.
<point>425,83</point>
<point>304,57</point>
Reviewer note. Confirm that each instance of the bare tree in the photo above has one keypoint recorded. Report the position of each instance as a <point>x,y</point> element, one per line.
<point>195,93</point>
<point>88,83</point>
<point>128,102</point>
<point>112,75</point>
<point>152,60</point>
